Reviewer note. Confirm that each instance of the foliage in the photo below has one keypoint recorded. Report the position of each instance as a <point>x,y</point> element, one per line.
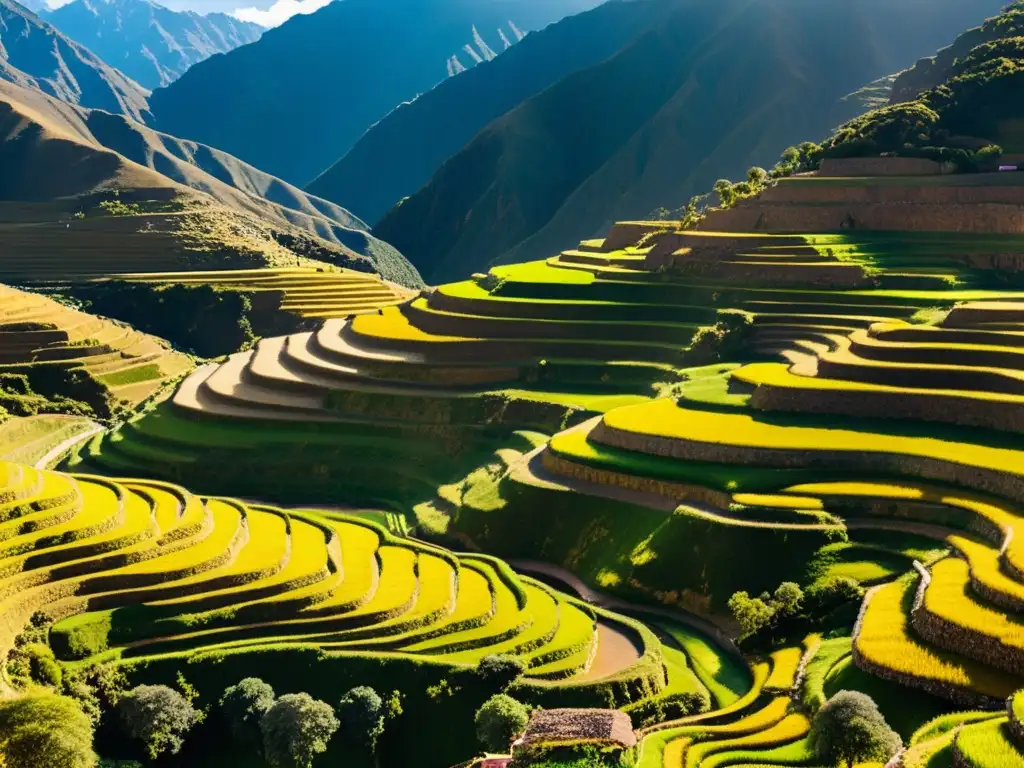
<point>35,662</point>
<point>243,706</point>
<point>296,729</point>
<point>849,728</point>
<point>158,716</point>
<point>753,614</point>
<point>198,318</point>
<point>499,721</point>
<point>45,731</point>
<point>498,672</point>
<point>361,713</point>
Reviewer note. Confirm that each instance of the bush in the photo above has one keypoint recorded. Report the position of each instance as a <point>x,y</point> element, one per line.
<point>45,731</point>
<point>157,716</point>
<point>296,729</point>
<point>361,712</point>
<point>849,728</point>
<point>244,705</point>
<point>499,721</point>
<point>497,673</point>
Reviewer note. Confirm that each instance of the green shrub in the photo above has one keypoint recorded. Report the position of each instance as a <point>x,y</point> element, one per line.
<point>296,729</point>
<point>850,729</point>
<point>498,673</point>
<point>499,721</point>
<point>243,706</point>
<point>361,713</point>
<point>45,731</point>
<point>157,716</point>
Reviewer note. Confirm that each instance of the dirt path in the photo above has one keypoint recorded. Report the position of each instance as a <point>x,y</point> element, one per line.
<point>65,446</point>
<point>615,652</point>
<point>573,583</point>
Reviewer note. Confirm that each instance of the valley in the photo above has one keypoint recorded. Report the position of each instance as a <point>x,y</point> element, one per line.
<point>573,439</point>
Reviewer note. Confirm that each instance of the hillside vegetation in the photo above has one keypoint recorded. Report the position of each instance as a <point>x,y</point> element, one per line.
<point>651,124</point>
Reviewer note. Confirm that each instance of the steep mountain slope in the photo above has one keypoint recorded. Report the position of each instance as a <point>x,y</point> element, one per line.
<point>148,42</point>
<point>296,100</point>
<point>51,150</point>
<point>933,70</point>
<point>399,154</point>
<point>34,54</point>
<point>714,90</point>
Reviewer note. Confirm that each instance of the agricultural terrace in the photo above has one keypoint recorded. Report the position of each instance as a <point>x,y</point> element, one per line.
<point>305,292</point>
<point>149,577</point>
<point>55,359</point>
<point>840,407</point>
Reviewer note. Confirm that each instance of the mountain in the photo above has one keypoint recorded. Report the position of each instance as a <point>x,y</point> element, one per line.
<point>51,151</point>
<point>34,54</point>
<point>931,71</point>
<point>151,44</point>
<point>715,89</point>
<point>295,101</point>
<point>400,153</point>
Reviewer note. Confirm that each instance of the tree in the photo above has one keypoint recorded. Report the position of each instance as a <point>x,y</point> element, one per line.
<point>158,716</point>
<point>726,194</point>
<point>361,712</point>
<point>497,672</point>
<point>849,729</point>
<point>499,721</point>
<point>752,614</point>
<point>757,177</point>
<point>45,731</point>
<point>787,598</point>
<point>296,729</point>
<point>244,705</point>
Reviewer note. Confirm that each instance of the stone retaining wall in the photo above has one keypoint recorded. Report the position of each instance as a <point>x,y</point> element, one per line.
<point>999,483</point>
<point>964,641</point>
<point>677,492</point>
<point>982,218</point>
<point>626,233</point>
<point>822,193</point>
<point>959,696</point>
<point>917,405</point>
<point>880,166</point>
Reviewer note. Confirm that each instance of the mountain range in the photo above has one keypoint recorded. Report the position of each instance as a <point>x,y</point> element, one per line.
<point>149,43</point>
<point>35,55</point>
<point>400,153</point>
<point>297,100</point>
<point>716,88</point>
<point>51,150</point>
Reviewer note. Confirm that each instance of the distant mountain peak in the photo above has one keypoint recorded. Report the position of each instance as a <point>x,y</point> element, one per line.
<point>35,55</point>
<point>148,41</point>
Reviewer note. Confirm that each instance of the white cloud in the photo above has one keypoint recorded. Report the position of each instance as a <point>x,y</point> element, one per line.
<point>279,12</point>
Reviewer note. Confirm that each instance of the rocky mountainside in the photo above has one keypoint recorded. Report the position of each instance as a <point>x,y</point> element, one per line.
<point>933,70</point>
<point>710,92</point>
<point>34,54</point>
<point>299,98</point>
<point>400,153</point>
<point>148,42</point>
<point>51,150</point>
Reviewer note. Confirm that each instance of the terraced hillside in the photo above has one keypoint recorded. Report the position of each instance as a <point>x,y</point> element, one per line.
<point>301,291</point>
<point>845,401</point>
<point>152,577</point>
<point>57,359</point>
